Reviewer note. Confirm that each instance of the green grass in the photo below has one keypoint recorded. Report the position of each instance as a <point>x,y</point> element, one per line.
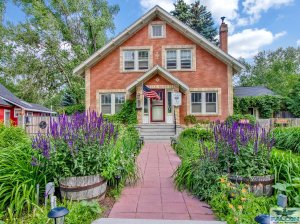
<point>287,138</point>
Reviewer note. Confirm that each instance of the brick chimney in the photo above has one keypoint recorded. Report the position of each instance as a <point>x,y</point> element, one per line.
<point>223,35</point>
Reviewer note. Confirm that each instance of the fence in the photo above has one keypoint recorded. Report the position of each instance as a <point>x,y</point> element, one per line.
<point>35,124</point>
<point>272,122</point>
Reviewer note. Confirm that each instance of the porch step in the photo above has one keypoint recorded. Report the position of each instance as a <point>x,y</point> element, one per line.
<point>157,131</point>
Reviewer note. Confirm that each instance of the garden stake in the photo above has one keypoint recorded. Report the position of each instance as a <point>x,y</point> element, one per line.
<point>37,193</point>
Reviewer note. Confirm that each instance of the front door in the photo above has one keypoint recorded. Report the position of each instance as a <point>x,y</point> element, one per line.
<point>158,107</point>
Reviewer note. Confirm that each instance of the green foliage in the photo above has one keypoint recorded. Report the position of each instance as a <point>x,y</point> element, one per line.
<point>235,204</point>
<point>127,115</point>
<point>69,110</point>
<point>84,212</point>
<point>9,136</point>
<point>237,117</point>
<point>18,179</point>
<point>196,134</point>
<point>276,70</point>
<point>286,166</point>
<point>42,51</point>
<point>267,105</point>
<point>293,102</point>
<point>198,176</point>
<point>287,138</point>
<point>190,119</point>
<point>197,17</point>
<point>120,158</point>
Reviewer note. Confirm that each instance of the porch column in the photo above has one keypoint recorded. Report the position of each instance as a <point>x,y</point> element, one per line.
<point>139,92</point>
<point>177,109</point>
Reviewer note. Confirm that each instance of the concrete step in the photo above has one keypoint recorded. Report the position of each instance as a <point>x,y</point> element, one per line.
<point>156,126</point>
<point>157,133</point>
<point>151,221</point>
<point>157,137</point>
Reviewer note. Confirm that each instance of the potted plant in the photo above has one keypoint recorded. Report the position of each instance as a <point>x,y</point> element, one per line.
<point>244,153</point>
<point>73,151</point>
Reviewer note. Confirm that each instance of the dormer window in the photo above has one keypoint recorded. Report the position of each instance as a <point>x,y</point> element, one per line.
<point>157,30</point>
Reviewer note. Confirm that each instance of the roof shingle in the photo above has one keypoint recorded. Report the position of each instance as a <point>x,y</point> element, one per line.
<point>242,91</point>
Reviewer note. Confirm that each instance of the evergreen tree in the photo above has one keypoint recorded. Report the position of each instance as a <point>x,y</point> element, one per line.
<point>197,17</point>
<point>293,102</point>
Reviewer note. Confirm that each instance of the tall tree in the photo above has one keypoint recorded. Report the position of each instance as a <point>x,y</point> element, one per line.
<point>293,101</point>
<point>56,36</point>
<point>197,17</point>
<point>276,70</point>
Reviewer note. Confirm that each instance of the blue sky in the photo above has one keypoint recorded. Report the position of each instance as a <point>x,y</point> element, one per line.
<point>254,24</point>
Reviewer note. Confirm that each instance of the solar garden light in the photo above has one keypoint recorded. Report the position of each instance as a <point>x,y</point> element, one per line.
<point>265,219</point>
<point>58,214</point>
<point>118,178</point>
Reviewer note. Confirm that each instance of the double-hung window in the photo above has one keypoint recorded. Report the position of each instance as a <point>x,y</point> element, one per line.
<point>179,59</point>
<point>135,60</point>
<point>111,103</point>
<point>204,102</point>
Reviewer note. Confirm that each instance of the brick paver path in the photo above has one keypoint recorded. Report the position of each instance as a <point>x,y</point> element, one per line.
<point>155,196</point>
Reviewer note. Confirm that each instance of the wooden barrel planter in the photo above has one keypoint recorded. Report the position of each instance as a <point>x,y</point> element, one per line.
<point>259,185</point>
<point>83,188</point>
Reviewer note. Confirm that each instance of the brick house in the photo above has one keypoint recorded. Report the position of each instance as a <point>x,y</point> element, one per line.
<point>164,54</point>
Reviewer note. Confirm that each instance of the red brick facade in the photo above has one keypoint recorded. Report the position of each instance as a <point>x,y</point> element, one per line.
<point>210,72</point>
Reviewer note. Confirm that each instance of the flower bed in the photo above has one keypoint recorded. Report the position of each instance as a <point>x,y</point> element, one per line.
<point>236,149</point>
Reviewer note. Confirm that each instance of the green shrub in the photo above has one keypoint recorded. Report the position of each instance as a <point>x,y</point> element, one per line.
<point>198,176</point>
<point>237,117</point>
<point>18,179</point>
<point>287,138</point>
<point>286,166</point>
<point>190,119</point>
<point>9,136</point>
<point>83,212</point>
<point>69,110</point>
<point>235,204</point>
<point>197,134</point>
<point>127,114</point>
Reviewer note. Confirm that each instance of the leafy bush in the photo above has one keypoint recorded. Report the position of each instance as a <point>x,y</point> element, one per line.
<point>237,117</point>
<point>287,138</point>
<point>18,179</point>
<point>75,145</point>
<point>286,166</point>
<point>79,212</point>
<point>198,176</point>
<point>235,204</point>
<point>197,134</point>
<point>190,119</point>
<point>12,135</point>
<point>127,114</point>
<point>72,109</point>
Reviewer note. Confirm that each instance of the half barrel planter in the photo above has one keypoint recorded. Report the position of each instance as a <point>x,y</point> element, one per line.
<point>83,188</point>
<point>259,185</point>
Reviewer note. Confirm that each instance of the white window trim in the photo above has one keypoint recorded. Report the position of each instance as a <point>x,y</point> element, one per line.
<point>113,101</point>
<point>17,109</point>
<point>178,61</point>
<point>203,102</point>
<point>5,121</point>
<point>163,24</point>
<point>136,49</point>
<point>29,114</point>
<point>205,90</point>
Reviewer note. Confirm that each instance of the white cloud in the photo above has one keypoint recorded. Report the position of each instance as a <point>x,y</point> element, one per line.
<point>298,43</point>
<point>165,4</point>
<point>248,42</point>
<point>254,8</point>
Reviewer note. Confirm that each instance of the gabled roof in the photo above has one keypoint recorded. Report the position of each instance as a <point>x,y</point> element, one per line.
<point>4,103</point>
<point>10,98</point>
<point>161,71</point>
<point>242,91</point>
<point>157,11</point>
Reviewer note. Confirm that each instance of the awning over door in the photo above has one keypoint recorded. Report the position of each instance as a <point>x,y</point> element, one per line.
<point>162,72</point>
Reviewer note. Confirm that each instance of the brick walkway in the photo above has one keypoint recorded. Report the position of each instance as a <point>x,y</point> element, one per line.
<point>155,196</point>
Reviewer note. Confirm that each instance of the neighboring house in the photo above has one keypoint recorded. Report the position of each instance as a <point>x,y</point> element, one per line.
<point>253,91</point>
<point>164,54</point>
<point>11,107</point>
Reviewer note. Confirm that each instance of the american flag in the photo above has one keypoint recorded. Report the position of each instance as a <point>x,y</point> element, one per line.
<point>149,93</point>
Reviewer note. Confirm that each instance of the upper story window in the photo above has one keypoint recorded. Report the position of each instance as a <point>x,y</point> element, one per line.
<point>157,29</point>
<point>179,59</point>
<point>135,60</point>
<point>204,102</point>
